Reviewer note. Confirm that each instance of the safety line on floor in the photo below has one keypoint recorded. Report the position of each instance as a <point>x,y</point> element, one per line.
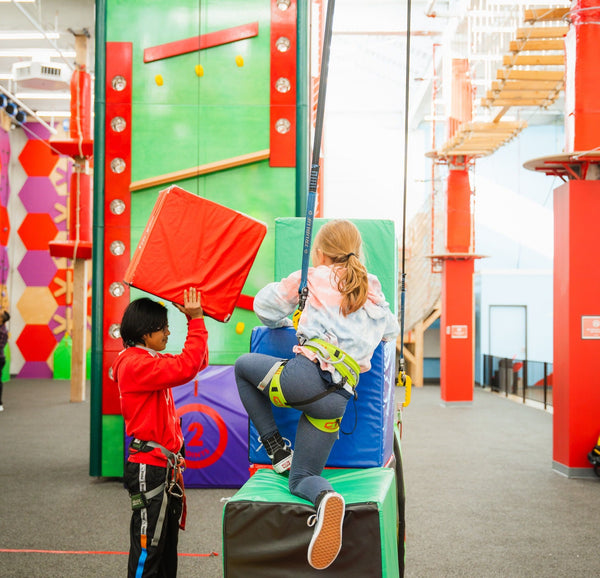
<point>32,551</point>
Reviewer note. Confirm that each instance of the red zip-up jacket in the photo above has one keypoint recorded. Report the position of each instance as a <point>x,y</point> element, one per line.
<point>145,378</point>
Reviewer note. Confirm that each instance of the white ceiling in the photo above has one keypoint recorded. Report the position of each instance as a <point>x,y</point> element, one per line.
<point>43,17</point>
<point>439,27</point>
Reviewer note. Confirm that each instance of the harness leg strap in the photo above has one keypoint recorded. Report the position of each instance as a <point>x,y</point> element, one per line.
<point>327,425</point>
<point>267,378</point>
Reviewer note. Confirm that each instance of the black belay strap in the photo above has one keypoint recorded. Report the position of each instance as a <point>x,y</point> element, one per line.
<point>331,389</point>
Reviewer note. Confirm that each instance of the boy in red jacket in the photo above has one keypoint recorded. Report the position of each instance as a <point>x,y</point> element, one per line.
<point>153,471</point>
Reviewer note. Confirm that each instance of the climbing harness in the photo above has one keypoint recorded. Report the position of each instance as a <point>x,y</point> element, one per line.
<point>173,485</point>
<point>341,361</point>
<point>344,365</point>
<point>347,367</point>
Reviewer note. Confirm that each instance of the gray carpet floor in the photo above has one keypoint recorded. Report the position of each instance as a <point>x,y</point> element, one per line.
<point>482,499</point>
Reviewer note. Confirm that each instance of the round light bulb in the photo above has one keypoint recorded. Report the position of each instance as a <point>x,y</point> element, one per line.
<point>118,124</point>
<point>283,85</point>
<point>117,207</point>
<point>119,83</point>
<point>117,248</point>
<point>116,289</point>
<point>117,165</point>
<point>282,44</point>
<point>283,126</point>
<point>115,330</point>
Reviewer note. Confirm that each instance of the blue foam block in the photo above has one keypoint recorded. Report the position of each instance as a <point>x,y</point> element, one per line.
<point>371,442</point>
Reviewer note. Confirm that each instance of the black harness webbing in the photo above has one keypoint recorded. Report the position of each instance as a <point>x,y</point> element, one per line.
<point>169,486</point>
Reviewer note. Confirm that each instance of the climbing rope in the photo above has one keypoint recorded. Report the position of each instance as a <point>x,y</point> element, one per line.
<point>403,378</point>
<point>315,167</point>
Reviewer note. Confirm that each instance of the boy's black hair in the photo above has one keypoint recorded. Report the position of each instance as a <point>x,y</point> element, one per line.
<point>141,317</point>
<point>5,316</point>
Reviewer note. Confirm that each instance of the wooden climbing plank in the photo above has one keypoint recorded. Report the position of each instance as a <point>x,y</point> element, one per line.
<point>527,85</point>
<point>503,74</point>
<point>544,14</point>
<point>533,60</point>
<point>535,45</point>
<point>541,32</point>
<point>510,94</point>
<point>516,102</point>
<point>207,168</point>
<point>178,47</point>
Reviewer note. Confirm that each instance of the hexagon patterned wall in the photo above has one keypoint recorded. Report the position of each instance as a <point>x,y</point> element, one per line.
<point>40,288</point>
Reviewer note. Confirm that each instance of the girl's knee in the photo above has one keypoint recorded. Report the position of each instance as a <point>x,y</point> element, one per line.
<point>241,362</point>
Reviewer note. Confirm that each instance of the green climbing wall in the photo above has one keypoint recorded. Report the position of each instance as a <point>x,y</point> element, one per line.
<point>192,120</point>
<point>380,250</point>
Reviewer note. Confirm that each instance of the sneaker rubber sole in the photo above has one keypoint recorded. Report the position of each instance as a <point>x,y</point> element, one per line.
<point>326,541</point>
<point>283,465</point>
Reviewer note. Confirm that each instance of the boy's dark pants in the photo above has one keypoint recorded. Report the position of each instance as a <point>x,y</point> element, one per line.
<point>161,560</point>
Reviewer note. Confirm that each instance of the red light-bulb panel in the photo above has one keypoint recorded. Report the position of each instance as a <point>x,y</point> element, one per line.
<point>117,202</point>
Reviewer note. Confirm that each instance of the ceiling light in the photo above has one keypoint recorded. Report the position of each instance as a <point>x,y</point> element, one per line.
<point>17,1</point>
<point>38,53</point>
<point>29,35</point>
<point>44,95</point>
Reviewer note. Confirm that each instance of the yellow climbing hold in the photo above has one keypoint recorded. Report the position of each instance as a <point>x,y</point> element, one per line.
<point>199,70</point>
<point>159,79</point>
<point>239,328</point>
<point>239,60</point>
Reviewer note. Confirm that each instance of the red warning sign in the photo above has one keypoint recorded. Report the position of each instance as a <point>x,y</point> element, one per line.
<point>590,327</point>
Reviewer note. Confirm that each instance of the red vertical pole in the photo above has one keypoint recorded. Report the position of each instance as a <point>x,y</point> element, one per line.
<point>576,395</point>
<point>456,336</point>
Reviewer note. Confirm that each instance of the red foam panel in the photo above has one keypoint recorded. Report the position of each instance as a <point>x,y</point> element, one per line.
<point>190,240</point>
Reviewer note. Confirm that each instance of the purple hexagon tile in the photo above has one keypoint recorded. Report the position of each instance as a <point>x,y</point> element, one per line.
<point>4,265</point>
<point>37,268</point>
<point>4,162</point>
<point>35,370</point>
<point>38,195</point>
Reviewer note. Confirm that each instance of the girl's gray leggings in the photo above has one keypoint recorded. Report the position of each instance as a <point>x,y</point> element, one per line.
<point>301,379</point>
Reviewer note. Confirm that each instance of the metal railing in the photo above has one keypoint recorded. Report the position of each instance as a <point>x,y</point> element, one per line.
<point>529,380</point>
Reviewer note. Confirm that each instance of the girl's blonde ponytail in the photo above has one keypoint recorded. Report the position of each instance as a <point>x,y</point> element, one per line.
<point>340,240</point>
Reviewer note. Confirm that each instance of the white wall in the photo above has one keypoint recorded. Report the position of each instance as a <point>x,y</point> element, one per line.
<point>532,289</point>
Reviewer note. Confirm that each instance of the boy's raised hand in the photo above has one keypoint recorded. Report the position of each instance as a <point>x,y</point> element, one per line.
<point>192,306</point>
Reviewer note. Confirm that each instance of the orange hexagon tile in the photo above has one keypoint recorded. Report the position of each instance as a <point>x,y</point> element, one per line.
<point>37,230</point>
<point>37,305</point>
<point>37,159</point>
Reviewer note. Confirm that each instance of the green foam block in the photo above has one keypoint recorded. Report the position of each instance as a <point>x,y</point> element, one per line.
<point>380,250</point>
<point>113,442</point>
<point>265,530</point>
